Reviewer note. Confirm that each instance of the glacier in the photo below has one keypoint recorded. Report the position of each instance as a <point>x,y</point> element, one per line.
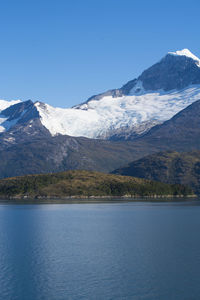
<point>97,118</point>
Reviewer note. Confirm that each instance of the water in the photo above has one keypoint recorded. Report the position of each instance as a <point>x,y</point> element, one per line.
<point>100,251</point>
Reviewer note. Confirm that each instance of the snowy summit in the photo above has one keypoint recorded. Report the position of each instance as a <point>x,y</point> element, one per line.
<point>186,52</point>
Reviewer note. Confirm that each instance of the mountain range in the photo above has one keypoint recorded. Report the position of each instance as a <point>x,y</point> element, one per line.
<point>158,111</point>
<point>154,97</point>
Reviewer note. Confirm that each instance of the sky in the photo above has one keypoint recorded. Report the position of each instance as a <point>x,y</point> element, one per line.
<point>62,52</point>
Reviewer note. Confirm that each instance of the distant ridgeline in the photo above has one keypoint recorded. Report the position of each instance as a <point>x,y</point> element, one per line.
<point>86,184</point>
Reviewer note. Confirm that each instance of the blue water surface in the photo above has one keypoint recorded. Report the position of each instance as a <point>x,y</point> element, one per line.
<point>100,251</point>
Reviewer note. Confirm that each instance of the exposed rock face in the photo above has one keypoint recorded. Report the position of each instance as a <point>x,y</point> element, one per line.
<point>172,72</point>
<point>15,111</point>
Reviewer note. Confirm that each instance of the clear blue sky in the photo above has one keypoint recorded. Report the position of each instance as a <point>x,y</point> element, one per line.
<point>62,52</point>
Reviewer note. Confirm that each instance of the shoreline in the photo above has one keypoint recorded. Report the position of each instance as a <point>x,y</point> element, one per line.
<point>93,200</point>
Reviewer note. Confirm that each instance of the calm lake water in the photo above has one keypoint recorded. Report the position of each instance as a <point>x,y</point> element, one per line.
<point>100,251</point>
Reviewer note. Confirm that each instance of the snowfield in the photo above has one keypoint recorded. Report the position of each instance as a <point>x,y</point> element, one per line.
<point>98,118</point>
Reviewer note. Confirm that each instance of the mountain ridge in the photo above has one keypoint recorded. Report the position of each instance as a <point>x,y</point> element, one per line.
<point>155,96</point>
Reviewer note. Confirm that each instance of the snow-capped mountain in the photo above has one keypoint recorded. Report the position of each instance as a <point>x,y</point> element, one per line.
<point>155,96</point>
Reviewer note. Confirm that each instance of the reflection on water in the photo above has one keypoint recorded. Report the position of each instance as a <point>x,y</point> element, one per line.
<point>130,250</point>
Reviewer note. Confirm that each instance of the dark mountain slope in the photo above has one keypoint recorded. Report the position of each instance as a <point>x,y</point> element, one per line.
<point>180,133</point>
<point>42,154</point>
<point>169,167</point>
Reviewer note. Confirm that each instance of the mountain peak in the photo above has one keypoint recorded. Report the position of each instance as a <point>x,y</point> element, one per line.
<point>187,53</point>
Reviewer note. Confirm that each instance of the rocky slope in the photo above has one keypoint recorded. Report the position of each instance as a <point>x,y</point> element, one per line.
<point>41,154</point>
<point>180,133</point>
